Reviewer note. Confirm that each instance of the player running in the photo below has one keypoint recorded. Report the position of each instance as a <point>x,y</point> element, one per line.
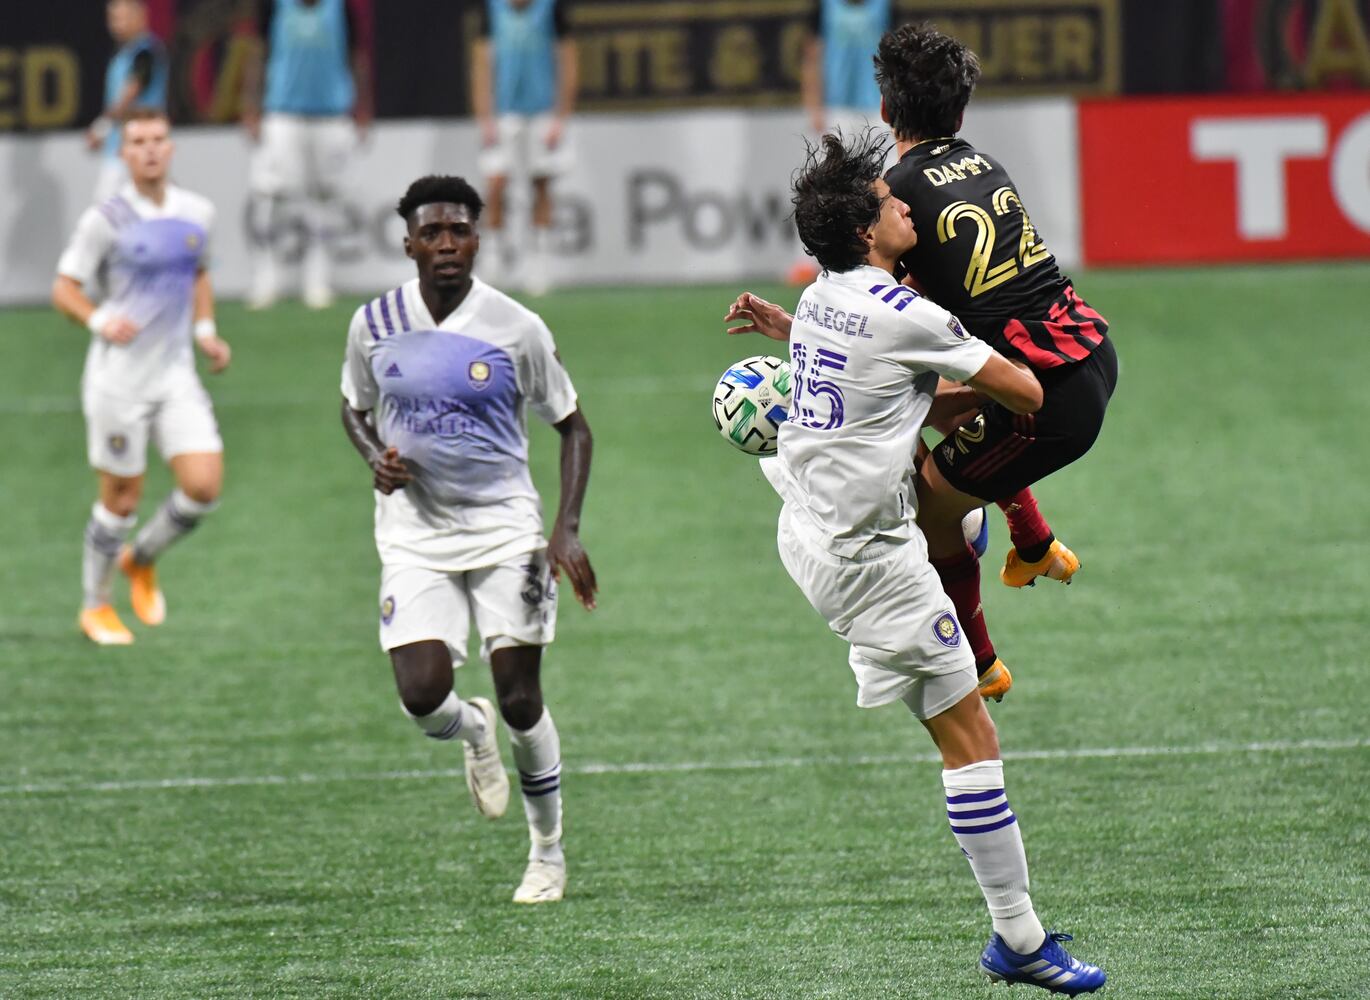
<point>979,256</point>
<point>437,376</point>
<point>148,246</point>
<point>867,355</point>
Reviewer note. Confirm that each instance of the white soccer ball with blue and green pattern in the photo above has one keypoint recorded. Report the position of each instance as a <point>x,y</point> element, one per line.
<point>751,401</point>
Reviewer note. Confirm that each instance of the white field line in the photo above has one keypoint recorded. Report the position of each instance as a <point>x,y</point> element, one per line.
<point>680,767</point>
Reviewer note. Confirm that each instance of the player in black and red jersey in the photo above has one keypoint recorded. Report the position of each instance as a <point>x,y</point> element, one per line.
<point>979,256</point>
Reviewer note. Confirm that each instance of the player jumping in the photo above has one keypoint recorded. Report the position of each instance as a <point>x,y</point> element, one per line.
<point>437,376</point>
<point>867,354</point>
<point>979,256</point>
<point>148,247</point>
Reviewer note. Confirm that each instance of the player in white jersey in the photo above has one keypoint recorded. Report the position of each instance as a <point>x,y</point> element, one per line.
<point>148,248</point>
<point>437,376</point>
<point>868,354</point>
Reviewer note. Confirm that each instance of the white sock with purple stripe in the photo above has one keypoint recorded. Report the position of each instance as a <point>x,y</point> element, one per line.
<point>988,833</point>
<point>105,532</point>
<point>453,719</point>
<point>537,755</point>
<point>176,518</point>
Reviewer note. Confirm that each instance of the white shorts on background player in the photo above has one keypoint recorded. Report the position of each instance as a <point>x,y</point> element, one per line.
<point>512,604</point>
<point>522,148</point>
<point>147,389</point>
<point>303,154</point>
<point>118,430</point>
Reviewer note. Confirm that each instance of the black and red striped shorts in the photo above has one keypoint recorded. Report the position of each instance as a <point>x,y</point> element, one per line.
<point>1000,452</point>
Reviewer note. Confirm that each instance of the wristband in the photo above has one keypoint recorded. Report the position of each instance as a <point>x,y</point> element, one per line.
<point>95,323</point>
<point>205,328</point>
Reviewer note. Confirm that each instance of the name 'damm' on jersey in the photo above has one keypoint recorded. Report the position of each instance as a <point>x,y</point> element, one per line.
<point>853,324</point>
<point>949,173</point>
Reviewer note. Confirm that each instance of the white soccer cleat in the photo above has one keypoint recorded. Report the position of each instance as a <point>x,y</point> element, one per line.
<point>543,882</point>
<point>485,774</point>
<point>318,297</point>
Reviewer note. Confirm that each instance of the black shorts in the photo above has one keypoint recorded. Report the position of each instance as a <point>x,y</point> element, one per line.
<point>1000,452</point>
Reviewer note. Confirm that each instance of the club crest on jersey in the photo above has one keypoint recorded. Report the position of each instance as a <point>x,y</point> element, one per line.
<point>954,325</point>
<point>478,374</point>
<point>118,443</point>
<point>947,631</point>
<point>193,241</point>
<point>388,610</point>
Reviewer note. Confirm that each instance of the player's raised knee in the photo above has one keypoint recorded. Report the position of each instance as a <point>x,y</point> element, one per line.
<point>521,708</point>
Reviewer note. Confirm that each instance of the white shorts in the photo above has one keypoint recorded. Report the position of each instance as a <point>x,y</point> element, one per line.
<point>118,430</point>
<point>522,144</point>
<point>301,155</point>
<point>513,604</point>
<point>905,639</point>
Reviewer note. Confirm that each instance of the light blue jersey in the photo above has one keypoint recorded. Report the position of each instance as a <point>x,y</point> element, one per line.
<point>450,397</point>
<point>123,67</point>
<point>146,257</point>
<point>524,42</point>
<point>851,35</point>
<point>308,68</point>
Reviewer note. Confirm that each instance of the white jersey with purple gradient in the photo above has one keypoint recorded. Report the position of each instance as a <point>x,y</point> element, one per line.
<point>451,397</point>
<point>146,258</point>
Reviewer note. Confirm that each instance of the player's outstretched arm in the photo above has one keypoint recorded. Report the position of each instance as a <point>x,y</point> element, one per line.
<point>564,550</point>
<point>387,468</point>
<point>759,316</point>
<point>1007,383</point>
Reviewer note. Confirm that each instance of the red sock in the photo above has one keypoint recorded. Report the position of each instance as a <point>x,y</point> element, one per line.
<point>1026,526</point>
<point>960,576</point>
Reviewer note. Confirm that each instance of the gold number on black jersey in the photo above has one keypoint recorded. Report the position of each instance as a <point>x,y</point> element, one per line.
<point>981,275</point>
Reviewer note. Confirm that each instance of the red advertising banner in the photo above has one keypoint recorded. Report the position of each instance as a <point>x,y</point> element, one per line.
<point>1225,179</point>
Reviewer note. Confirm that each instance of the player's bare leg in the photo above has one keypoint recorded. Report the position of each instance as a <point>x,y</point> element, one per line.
<point>537,278</point>
<point>537,754</point>
<point>494,247</point>
<point>987,832</point>
<point>111,520</point>
<point>941,509</point>
<point>423,677</point>
<point>199,481</point>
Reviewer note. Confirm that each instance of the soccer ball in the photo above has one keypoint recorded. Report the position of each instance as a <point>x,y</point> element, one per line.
<point>751,401</point>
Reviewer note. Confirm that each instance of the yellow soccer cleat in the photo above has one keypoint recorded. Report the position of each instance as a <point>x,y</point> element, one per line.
<point>1058,564</point>
<point>995,682</point>
<point>144,594</point>
<point>103,627</point>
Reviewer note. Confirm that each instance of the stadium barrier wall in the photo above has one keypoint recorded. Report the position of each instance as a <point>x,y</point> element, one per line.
<point>683,197</point>
<point>1210,180</point>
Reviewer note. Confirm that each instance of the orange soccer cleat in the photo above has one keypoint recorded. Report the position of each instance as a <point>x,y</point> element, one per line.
<point>995,682</point>
<point>103,627</point>
<point>1058,564</point>
<point>144,594</point>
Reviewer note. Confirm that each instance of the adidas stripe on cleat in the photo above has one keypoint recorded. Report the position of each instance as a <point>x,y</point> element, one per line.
<point>1050,967</point>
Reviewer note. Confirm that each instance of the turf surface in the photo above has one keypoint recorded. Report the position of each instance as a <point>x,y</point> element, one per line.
<point>236,807</point>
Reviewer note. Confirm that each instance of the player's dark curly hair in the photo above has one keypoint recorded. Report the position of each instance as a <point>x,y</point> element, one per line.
<point>833,199</point>
<point>926,79</point>
<point>439,188</point>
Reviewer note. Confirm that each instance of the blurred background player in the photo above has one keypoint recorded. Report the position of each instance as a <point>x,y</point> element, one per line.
<point>846,532</point>
<point>979,256</point>
<point>838,70</point>
<point>149,244</point>
<point>837,78</point>
<point>436,379</point>
<point>306,104</point>
<point>136,78</point>
<point>523,87</point>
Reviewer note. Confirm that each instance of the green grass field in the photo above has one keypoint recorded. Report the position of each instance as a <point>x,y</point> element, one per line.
<point>236,807</point>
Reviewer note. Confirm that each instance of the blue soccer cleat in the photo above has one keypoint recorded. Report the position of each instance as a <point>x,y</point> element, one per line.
<point>975,527</point>
<point>1051,967</point>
